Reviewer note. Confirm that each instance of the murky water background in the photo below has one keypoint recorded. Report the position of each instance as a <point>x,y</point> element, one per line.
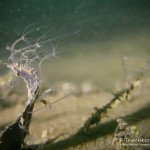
<point>101,46</point>
<point>94,35</point>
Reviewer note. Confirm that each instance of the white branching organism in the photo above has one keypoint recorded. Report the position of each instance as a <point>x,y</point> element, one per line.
<point>24,54</point>
<point>26,51</point>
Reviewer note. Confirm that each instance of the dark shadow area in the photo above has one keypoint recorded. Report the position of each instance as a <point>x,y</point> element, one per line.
<point>97,131</point>
<point>2,126</point>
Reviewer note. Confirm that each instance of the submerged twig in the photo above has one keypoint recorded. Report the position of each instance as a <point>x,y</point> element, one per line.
<point>14,134</point>
<point>20,62</point>
<point>118,96</point>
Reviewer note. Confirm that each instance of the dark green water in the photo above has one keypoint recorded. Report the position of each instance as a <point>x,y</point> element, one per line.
<point>83,27</point>
<point>84,20</point>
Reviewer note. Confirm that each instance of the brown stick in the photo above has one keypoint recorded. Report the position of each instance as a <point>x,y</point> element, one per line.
<point>12,137</point>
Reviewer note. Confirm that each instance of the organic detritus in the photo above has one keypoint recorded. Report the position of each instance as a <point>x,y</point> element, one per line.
<point>20,62</point>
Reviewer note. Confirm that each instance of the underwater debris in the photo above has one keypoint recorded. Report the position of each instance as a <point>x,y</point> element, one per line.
<point>14,134</point>
<point>20,61</point>
<point>122,95</point>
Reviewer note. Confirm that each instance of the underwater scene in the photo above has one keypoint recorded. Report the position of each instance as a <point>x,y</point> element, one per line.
<point>74,75</point>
